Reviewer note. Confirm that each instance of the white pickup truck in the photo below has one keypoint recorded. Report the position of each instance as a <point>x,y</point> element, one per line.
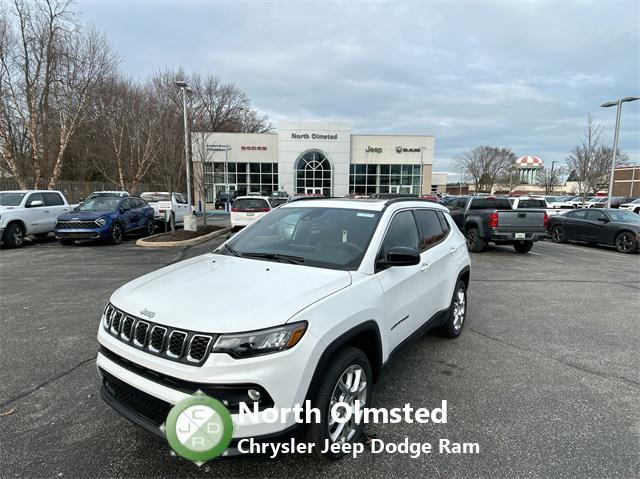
<point>534,203</point>
<point>29,212</point>
<point>179,205</point>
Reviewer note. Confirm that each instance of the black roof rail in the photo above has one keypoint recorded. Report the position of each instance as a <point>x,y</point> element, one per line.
<point>301,198</point>
<point>408,198</point>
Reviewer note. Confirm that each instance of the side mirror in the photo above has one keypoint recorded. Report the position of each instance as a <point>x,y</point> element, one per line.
<point>35,203</point>
<point>402,256</point>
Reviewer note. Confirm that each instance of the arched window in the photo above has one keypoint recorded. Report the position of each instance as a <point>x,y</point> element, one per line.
<point>313,174</point>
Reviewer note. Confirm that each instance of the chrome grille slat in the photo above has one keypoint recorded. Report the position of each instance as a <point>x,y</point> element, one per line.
<point>140,334</point>
<point>198,347</point>
<point>156,339</point>
<point>175,345</point>
<point>169,343</point>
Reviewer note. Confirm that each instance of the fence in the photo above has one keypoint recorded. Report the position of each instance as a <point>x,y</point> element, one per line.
<point>74,191</point>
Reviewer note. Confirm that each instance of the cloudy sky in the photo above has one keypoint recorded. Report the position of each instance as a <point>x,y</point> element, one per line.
<point>518,74</point>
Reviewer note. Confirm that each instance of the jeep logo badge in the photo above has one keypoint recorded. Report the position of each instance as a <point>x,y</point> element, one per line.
<point>147,313</point>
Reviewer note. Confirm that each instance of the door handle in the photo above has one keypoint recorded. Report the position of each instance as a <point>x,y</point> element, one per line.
<point>425,266</point>
<point>452,250</point>
<point>47,211</point>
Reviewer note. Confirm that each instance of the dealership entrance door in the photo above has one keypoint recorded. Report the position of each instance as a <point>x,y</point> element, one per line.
<point>313,174</point>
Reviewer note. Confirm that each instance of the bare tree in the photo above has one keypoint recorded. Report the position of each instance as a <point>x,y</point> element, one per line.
<point>590,161</point>
<point>130,124</point>
<point>485,165</point>
<point>49,70</point>
<point>550,178</point>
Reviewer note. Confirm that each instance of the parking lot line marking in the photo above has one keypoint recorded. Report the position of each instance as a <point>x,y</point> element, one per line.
<point>536,254</point>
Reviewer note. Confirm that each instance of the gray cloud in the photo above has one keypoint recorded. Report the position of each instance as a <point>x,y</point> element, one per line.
<point>522,75</point>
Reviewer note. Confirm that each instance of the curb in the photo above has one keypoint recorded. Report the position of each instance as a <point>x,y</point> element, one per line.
<point>189,242</point>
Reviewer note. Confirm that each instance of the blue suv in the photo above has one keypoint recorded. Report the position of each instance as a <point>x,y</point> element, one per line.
<point>105,217</point>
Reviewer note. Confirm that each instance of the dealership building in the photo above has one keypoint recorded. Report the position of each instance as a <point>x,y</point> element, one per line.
<point>311,157</point>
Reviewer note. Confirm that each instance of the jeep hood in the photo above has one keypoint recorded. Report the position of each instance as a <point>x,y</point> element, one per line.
<point>215,293</point>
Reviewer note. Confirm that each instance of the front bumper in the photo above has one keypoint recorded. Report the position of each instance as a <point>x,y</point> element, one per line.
<point>218,371</point>
<point>82,233</point>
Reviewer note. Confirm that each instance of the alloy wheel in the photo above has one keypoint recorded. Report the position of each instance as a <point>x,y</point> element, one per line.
<point>352,386</point>
<point>116,233</point>
<point>459,308</point>
<point>624,243</point>
<point>556,234</point>
<point>18,237</point>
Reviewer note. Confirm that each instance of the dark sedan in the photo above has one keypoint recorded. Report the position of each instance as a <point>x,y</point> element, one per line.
<point>612,227</point>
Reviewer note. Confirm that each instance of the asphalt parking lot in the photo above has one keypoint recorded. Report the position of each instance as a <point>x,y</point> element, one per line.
<point>545,377</point>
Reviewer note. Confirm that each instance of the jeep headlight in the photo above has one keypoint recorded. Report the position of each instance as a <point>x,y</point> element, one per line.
<point>101,222</point>
<point>264,341</point>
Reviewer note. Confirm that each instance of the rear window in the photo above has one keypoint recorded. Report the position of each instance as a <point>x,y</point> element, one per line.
<point>531,204</point>
<point>250,204</point>
<point>490,204</point>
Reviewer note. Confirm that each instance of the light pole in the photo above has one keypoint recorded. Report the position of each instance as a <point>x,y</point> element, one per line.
<point>185,88</point>
<point>617,103</point>
<point>551,177</point>
<point>460,182</point>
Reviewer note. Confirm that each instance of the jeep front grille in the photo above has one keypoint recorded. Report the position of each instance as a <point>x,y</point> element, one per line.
<point>64,225</point>
<point>188,347</point>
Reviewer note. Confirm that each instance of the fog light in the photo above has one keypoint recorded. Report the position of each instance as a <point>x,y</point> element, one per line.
<point>254,394</point>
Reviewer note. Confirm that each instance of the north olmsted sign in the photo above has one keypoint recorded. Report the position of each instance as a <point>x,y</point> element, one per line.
<point>314,136</point>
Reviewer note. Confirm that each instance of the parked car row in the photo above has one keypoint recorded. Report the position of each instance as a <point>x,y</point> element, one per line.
<point>104,215</point>
<point>613,227</point>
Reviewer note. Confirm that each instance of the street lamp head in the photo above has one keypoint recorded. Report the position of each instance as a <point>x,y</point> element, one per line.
<point>621,100</point>
<point>181,84</point>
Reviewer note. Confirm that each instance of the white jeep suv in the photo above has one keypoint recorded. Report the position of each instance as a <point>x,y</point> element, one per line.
<point>311,301</point>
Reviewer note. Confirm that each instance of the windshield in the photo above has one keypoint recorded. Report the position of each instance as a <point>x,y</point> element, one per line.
<point>156,196</point>
<point>11,199</point>
<point>622,216</point>
<point>334,238</point>
<point>100,203</point>
<point>637,200</point>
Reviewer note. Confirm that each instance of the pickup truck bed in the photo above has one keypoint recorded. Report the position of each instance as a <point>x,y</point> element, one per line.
<point>491,220</point>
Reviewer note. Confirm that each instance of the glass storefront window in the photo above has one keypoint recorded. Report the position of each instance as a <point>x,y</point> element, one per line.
<point>370,179</point>
<point>243,183</point>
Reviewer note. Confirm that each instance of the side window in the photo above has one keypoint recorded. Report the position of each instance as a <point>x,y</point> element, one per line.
<point>402,232</point>
<point>34,197</point>
<point>182,199</point>
<point>444,222</point>
<point>594,215</point>
<point>578,214</point>
<point>461,202</point>
<point>52,199</point>
<point>431,232</point>
<point>126,204</point>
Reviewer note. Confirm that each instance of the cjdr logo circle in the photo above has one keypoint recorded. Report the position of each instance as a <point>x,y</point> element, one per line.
<point>199,428</point>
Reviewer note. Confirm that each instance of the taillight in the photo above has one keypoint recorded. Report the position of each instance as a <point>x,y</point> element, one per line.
<point>493,219</point>
<point>235,210</point>
<point>264,210</point>
<point>546,220</point>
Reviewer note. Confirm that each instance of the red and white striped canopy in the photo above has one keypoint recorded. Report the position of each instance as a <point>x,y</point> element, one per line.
<point>529,162</point>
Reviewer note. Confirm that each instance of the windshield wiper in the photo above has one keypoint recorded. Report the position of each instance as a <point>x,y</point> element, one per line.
<point>231,250</point>
<point>275,256</point>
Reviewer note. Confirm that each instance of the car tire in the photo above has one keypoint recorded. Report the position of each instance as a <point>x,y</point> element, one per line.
<point>66,242</point>
<point>116,233</point>
<point>350,362</point>
<point>457,313</point>
<point>13,236</point>
<point>475,244</point>
<point>150,228</point>
<point>626,242</point>
<point>558,234</point>
<point>523,247</point>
